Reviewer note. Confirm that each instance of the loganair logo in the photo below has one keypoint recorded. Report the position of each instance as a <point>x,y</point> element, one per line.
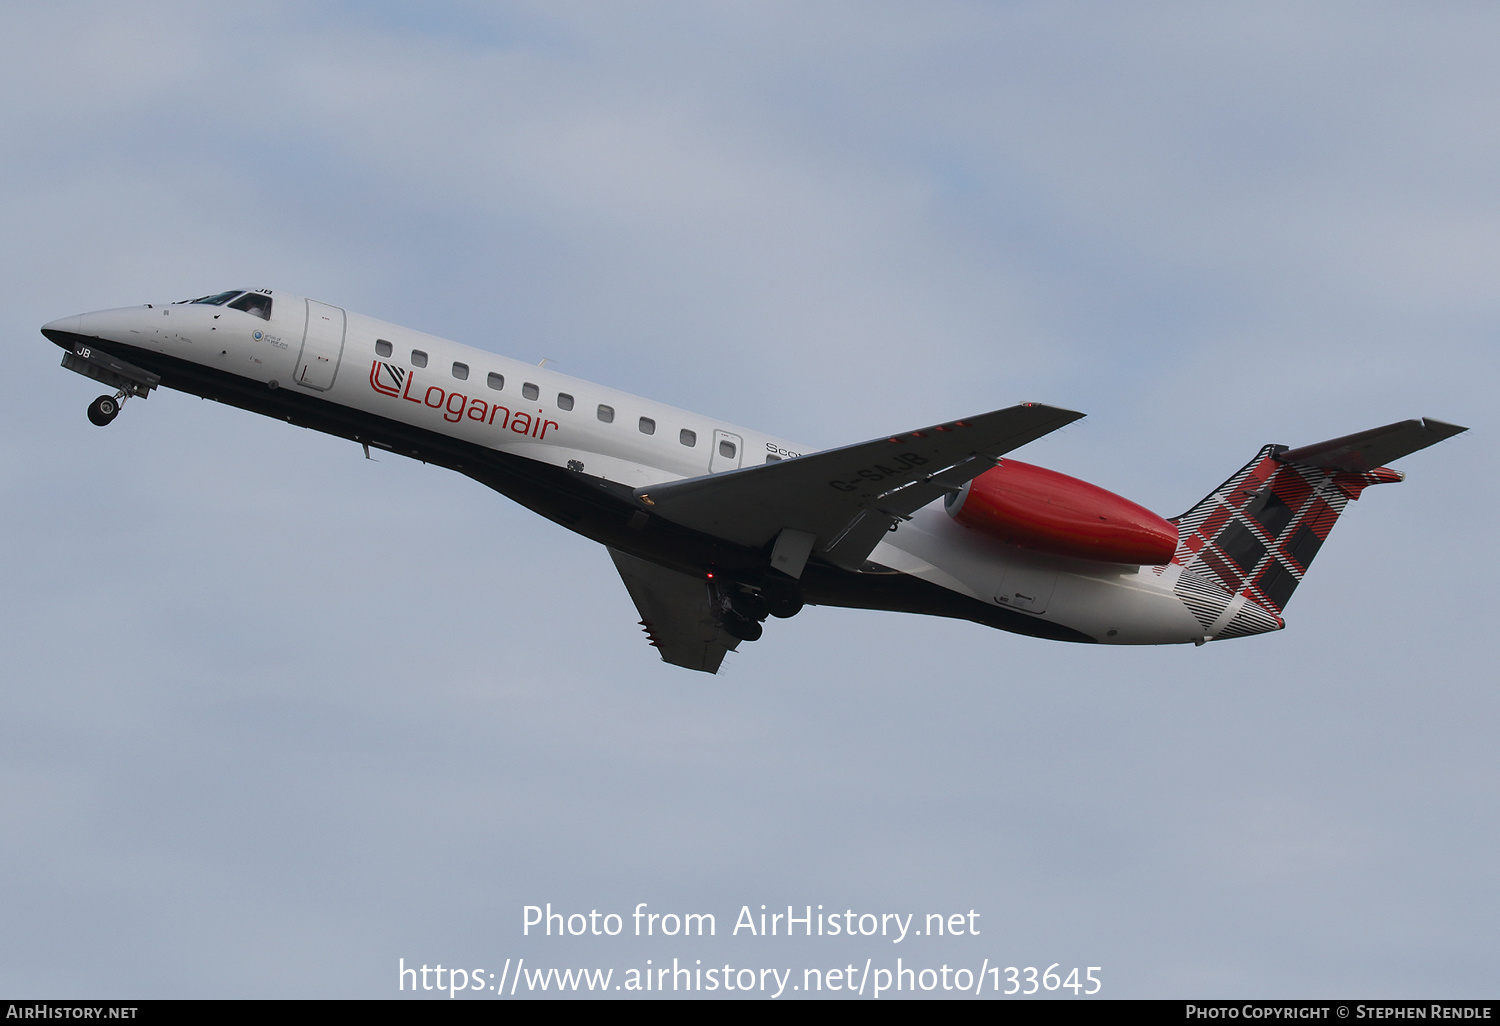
<point>386,379</point>
<point>400,383</point>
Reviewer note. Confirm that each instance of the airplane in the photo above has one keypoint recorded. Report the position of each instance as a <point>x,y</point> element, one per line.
<point>714,528</point>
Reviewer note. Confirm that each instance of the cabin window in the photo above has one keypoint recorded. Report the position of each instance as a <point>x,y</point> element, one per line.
<point>530,391</point>
<point>606,413</point>
<point>495,381</point>
<point>648,426</point>
<point>255,304</point>
<point>382,347</point>
<point>726,449</point>
<point>688,438</point>
<point>461,371</point>
<point>418,358</point>
<point>564,401</point>
<point>771,457</point>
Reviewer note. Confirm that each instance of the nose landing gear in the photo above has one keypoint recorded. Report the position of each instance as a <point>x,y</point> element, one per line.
<point>105,409</point>
<point>87,359</point>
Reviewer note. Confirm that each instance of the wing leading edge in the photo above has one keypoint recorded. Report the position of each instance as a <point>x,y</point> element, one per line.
<point>839,503</point>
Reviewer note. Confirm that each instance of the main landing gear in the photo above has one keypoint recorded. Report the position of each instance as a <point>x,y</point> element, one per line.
<point>744,612</point>
<point>105,408</point>
<point>737,626</point>
<point>741,609</point>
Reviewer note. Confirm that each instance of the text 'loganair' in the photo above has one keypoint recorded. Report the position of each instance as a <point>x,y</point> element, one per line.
<point>387,379</point>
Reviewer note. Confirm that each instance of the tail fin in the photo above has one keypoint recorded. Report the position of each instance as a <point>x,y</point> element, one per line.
<point>1244,549</point>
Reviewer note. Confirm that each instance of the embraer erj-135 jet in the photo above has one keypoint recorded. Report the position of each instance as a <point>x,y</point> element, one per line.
<point>715,527</point>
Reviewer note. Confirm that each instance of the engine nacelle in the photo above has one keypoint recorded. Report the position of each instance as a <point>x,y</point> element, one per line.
<point>1041,509</point>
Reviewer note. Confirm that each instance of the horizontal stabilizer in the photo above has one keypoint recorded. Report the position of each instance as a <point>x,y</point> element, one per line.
<point>1367,450</point>
<point>848,498</point>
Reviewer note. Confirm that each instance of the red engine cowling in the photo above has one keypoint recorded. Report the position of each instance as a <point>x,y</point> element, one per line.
<point>1041,509</point>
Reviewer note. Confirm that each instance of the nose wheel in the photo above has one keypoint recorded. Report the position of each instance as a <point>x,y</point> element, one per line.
<point>105,409</point>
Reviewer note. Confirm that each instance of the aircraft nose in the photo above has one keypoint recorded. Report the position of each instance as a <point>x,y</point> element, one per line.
<point>118,325</point>
<point>57,331</point>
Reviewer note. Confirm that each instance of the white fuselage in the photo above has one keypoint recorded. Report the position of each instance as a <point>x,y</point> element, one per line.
<point>539,414</point>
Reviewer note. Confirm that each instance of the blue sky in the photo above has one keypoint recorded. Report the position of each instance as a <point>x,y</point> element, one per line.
<point>275,716</point>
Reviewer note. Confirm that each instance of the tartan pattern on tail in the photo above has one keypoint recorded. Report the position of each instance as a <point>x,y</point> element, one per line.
<point>1251,619</point>
<point>1255,536</point>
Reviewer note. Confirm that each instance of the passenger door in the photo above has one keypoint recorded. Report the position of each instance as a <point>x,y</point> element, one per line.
<point>322,346</point>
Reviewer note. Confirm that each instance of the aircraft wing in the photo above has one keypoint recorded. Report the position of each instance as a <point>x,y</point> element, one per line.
<point>675,612</point>
<point>839,503</point>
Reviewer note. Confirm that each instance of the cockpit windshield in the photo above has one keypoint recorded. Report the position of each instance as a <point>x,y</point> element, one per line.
<point>218,300</point>
<point>254,303</point>
<point>257,304</point>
